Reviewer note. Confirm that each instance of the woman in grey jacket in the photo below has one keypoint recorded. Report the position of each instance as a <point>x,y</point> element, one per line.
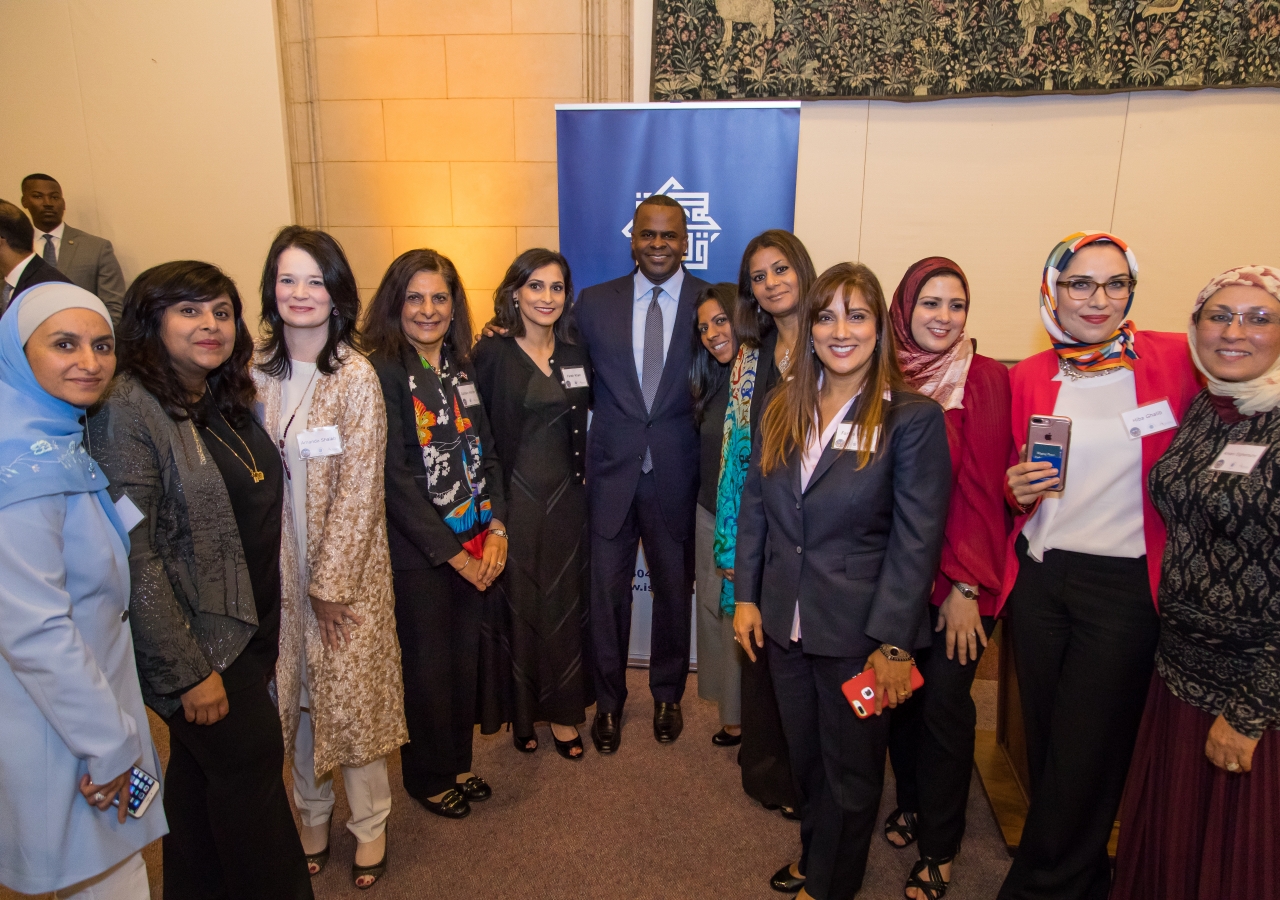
<point>177,438</point>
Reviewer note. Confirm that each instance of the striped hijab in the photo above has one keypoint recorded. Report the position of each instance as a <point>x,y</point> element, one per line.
<point>1114,352</point>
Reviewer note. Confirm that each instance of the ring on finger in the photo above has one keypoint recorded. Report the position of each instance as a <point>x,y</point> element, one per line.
<point>1233,766</point>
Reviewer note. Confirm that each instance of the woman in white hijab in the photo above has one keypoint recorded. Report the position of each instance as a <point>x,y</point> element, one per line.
<point>1201,813</point>
<point>74,721</point>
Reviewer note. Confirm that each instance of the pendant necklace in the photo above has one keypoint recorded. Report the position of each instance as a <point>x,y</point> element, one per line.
<point>258,474</point>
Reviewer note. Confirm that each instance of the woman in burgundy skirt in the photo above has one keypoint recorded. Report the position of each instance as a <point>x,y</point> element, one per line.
<point>1201,813</point>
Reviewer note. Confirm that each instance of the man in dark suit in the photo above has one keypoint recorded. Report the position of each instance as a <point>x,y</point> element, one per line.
<point>21,267</point>
<point>642,465</point>
<point>87,260</point>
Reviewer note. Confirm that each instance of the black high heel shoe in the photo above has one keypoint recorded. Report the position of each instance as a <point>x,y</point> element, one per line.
<point>564,747</point>
<point>522,743</point>
<point>906,829</point>
<point>934,888</point>
<point>376,871</point>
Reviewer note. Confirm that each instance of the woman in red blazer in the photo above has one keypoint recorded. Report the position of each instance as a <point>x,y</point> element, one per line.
<point>931,735</point>
<point>1084,558</point>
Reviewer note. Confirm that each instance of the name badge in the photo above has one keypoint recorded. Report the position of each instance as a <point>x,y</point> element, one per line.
<point>470,396</point>
<point>847,436</point>
<point>128,512</point>
<point>1150,418</point>
<point>574,376</point>
<point>319,442</point>
<point>842,435</point>
<point>1239,459</point>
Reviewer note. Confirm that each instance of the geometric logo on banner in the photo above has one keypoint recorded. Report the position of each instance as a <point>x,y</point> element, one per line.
<point>703,230</point>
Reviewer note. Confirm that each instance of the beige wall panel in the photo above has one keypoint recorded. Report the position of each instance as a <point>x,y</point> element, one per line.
<point>1199,192</point>
<point>515,65</point>
<point>450,129</point>
<point>289,20</point>
<point>444,16</point>
<point>378,68</point>
<point>481,254</point>
<point>504,193</point>
<point>388,193</point>
<point>369,252</point>
<point>546,16</point>
<point>303,189</point>
<point>366,296</point>
<point>351,130</point>
<point>833,139</point>
<point>994,184</point>
<point>528,238</point>
<point>536,129</point>
<point>344,18</point>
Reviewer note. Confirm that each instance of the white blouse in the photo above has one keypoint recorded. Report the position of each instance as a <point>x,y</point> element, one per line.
<point>1100,511</point>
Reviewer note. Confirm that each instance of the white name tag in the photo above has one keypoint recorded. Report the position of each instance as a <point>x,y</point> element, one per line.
<point>319,442</point>
<point>847,436</point>
<point>574,376</point>
<point>1150,418</point>
<point>470,396</point>
<point>128,512</point>
<point>1239,459</point>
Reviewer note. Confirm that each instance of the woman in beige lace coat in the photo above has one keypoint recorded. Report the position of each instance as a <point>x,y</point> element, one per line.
<point>338,676</point>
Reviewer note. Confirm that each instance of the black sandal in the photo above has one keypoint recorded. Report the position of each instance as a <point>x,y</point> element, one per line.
<point>935,888</point>
<point>522,743</point>
<point>319,860</point>
<point>377,870</point>
<point>564,747</point>
<point>906,829</point>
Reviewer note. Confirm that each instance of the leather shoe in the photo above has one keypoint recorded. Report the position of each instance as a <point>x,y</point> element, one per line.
<point>784,882</point>
<point>723,738</point>
<point>668,722</point>
<point>606,732</point>
<point>451,806</point>
<point>475,788</point>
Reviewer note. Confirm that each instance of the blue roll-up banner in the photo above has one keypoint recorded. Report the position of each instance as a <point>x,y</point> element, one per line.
<point>732,166</point>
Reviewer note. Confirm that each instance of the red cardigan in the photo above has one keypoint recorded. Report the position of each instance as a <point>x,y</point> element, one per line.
<point>1162,371</point>
<point>978,518</point>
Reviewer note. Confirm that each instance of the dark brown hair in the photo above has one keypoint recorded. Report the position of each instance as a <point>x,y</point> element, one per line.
<point>140,345</point>
<point>706,374</point>
<point>506,315</point>
<point>754,324</point>
<point>789,418</point>
<point>338,281</point>
<point>383,332</point>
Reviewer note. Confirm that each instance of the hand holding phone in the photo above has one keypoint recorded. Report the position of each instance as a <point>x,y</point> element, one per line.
<point>860,690</point>
<point>1044,459</point>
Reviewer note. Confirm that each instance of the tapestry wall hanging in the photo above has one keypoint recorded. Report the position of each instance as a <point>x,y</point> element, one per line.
<point>929,49</point>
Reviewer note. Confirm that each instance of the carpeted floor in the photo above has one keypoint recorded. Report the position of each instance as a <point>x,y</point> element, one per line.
<point>652,821</point>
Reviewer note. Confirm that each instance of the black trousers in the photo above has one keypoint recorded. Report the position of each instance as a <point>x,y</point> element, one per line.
<point>438,615</point>
<point>838,763</point>
<point>931,745</point>
<point>613,562</point>
<point>1085,633</point>
<point>231,832</point>
<point>766,765</point>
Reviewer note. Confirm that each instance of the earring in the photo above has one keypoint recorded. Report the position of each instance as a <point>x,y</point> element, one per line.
<point>334,313</point>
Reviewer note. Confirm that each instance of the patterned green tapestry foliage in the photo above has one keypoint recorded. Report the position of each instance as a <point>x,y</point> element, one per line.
<point>721,49</point>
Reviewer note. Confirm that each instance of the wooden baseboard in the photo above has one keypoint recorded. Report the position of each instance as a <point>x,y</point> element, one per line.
<point>1008,803</point>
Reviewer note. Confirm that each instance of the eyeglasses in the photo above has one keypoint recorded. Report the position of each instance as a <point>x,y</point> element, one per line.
<point>1250,321</point>
<point>1084,288</point>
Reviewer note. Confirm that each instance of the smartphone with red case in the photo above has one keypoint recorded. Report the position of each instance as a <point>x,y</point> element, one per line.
<point>860,690</point>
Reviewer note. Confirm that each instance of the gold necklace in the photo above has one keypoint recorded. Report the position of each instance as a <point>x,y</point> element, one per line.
<point>258,474</point>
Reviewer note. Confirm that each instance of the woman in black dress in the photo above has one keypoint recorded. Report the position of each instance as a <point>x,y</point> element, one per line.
<point>445,510</point>
<point>535,382</point>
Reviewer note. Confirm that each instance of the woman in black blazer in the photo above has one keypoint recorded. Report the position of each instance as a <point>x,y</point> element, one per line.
<point>839,534</point>
<point>445,509</point>
<point>535,382</point>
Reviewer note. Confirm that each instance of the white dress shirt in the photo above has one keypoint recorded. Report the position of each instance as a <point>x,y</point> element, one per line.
<point>1100,512</point>
<point>12,278</point>
<point>668,300</point>
<point>57,240</point>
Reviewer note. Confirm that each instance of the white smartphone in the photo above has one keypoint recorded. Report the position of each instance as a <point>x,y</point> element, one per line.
<point>142,790</point>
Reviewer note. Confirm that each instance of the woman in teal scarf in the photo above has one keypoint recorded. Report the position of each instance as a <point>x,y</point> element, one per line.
<point>773,280</point>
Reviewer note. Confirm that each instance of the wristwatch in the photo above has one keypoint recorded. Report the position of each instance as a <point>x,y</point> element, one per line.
<point>497,532</point>
<point>896,654</point>
<point>968,591</point>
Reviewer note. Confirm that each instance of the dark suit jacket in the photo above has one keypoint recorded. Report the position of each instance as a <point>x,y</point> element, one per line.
<point>503,371</point>
<point>621,428</point>
<point>416,534</point>
<point>90,262</point>
<point>859,548</point>
<point>37,272</point>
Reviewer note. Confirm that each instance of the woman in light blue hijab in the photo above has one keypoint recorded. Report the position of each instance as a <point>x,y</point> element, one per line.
<point>73,718</point>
